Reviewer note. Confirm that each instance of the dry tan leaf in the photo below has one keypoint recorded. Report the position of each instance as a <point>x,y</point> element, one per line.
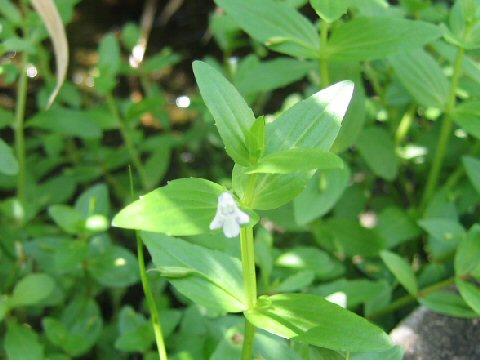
<point>50,16</point>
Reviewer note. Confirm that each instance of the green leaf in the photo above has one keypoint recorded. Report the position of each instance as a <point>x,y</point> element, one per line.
<point>10,12</point>
<point>94,200</point>
<point>468,253</point>
<point>78,328</point>
<point>470,293</point>
<point>254,76</point>
<point>320,195</point>
<point>378,150</point>
<point>21,342</point>
<point>217,282</point>
<point>32,290</point>
<point>354,119</point>
<point>136,333</point>
<point>293,160</point>
<point>445,234</point>
<point>402,271</point>
<point>472,167</point>
<point>69,256</point>
<point>396,226</point>
<point>313,320</point>
<point>371,38</point>
<point>422,76</point>
<point>395,353</point>
<point>114,266</point>
<point>330,10</point>
<point>255,139</point>
<point>68,218</point>
<point>66,122</point>
<point>313,122</point>
<point>448,303</point>
<point>8,163</point>
<point>183,207</point>
<point>275,24</point>
<point>353,239</point>
<point>232,115</point>
<point>310,259</point>
<point>109,54</point>
<point>467,116</point>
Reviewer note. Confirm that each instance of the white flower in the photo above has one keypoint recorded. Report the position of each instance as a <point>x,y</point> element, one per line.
<point>228,216</point>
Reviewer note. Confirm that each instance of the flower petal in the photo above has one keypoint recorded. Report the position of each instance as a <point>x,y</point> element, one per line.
<point>242,217</point>
<point>217,221</point>
<point>231,228</point>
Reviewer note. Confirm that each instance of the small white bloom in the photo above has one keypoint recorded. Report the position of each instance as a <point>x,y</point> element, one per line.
<point>228,216</point>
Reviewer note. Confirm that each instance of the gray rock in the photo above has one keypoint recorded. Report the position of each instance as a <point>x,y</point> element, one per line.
<point>425,335</point>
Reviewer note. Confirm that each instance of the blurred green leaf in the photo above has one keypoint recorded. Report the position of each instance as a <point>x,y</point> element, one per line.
<point>66,122</point>
<point>468,253</point>
<point>472,167</point>
<point>320,195</point>
<point>67,218</point>
<point>378,150</point>
<point>275,24</point>
<point>402,271</point>
<point>369,38</point>
<point>114,267</point>
<point>21,342</point>
<point>136,333</point>
<point>330,10</point>
<point>448,303</point>
<point>32,290</point>
<point>470,293</point>
<point>8,162</point>
<point>423,77</point>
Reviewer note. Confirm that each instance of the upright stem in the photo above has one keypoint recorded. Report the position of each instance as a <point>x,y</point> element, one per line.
<point>324,74</point>
<point>19,129</point>
<point>134,156</point>
<point>152,306</point>
<point>249,275</point>
<point>445,133</point>
<point>162,353</point>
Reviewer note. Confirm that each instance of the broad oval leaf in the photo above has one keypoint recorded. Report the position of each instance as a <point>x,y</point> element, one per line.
<point>293,160</point>
<point>53,22</point>
<point>467,116</point>
<point>313,320</point>
<point>32,289</point>
<point>233,117</point>
<point>216,280</point>
<point>275,24</point>
<point>422,76</point>
<point>369,38</point>
<point>22,342</point>
<point>8,162</point>
<point>183,207</point>
<point>402,271</point>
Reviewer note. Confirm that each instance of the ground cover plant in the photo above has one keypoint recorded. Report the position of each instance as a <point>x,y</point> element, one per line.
<point>323,182</point>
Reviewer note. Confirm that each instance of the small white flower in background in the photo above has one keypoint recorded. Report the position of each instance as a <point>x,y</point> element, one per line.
<point>229,216</point>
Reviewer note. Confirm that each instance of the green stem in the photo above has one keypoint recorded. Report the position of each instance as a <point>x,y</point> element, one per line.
<point>324,74</point>
<point>20,134</point>
<point>134,156</point>
<point>445,133</point>
<point>407,299</point>
<point>162,353</point>
<point>405,125</point>
<point>248,341</point>
<point>249,275</point>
